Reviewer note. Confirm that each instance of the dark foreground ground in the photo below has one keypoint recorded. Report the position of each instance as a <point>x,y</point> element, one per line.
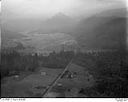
<point>30,85</point>
<point>102,74</point>
<point>34,84</point>
<point>94,74</point>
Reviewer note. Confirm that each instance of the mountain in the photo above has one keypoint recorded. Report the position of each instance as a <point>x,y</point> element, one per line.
<point>59,23</point>
<point>106,30</point>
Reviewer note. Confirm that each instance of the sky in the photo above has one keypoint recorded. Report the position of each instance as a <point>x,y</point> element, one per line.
<point>14,9</point>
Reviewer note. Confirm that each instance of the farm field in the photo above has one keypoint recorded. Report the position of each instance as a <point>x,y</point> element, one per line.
<point>70,84</point>
<point>32,85</point>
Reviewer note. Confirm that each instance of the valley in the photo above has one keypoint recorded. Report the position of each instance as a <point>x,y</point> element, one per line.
<point>44,43</point>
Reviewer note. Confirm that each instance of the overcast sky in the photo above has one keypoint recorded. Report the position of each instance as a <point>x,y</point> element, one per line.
<point>12,9</point>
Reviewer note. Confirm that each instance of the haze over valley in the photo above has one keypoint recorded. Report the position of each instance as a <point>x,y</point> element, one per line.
<point>64,48</point>
<point>87,33</point>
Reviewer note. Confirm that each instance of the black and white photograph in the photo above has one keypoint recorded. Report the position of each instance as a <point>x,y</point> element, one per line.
<point>64,49</point>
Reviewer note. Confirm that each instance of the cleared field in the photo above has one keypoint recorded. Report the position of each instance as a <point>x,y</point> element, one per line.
<point>32,85</point>
<point>70,87</point>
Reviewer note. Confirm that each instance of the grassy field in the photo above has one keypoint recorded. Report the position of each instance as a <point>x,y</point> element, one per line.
<point>70,87</point>
<point>29,85</point>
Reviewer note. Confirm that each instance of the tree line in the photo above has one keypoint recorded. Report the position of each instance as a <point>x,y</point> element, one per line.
<point>14,62</point>
<point>109,70</point>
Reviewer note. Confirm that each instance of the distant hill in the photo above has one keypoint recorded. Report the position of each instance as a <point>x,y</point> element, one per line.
<point>106,30</point>
<point>59,23</point>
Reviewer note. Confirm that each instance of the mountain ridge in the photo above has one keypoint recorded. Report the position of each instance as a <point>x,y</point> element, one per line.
<point>98,31</point>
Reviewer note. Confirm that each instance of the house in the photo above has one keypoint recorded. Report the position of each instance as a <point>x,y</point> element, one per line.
<point>43,73</point>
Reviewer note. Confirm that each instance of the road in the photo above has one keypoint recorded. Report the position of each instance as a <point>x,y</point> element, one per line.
<point>56,80</point>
